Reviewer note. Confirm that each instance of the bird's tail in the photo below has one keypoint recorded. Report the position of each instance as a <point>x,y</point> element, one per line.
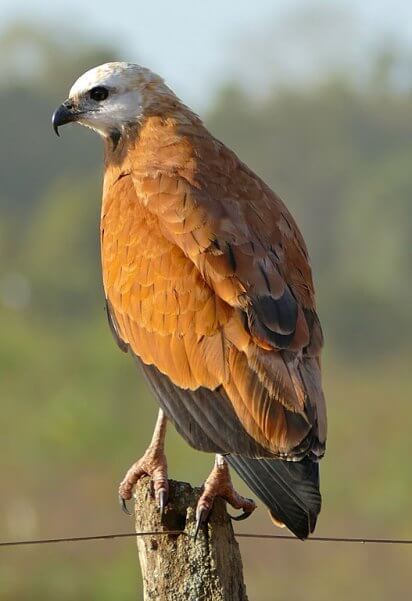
<point>289,489</point>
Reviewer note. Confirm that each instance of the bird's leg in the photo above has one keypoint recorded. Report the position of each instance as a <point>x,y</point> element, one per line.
<point>153,464</point>
<point>219,484</point>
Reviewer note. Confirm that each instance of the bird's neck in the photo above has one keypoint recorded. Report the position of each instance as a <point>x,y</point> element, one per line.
<point>165,141</point>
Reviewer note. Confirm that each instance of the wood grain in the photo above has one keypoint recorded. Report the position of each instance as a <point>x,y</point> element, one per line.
<point>177,567</point>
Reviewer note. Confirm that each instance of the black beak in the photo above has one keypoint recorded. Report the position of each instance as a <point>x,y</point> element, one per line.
<point>65,113</point>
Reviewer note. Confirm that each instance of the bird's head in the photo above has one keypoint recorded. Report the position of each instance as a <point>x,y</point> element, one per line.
<point>112,98</point>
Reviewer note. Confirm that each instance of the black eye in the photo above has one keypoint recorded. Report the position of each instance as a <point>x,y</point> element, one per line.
<point>99,93</point>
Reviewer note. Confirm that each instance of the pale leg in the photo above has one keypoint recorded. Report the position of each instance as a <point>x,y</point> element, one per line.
<point>153,464</point>
<point>219,484</point>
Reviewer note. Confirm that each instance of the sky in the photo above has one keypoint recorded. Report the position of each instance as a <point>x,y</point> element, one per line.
<point>191,43</point>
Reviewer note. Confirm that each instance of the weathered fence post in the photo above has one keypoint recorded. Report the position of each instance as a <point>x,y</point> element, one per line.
<point>178,568</point>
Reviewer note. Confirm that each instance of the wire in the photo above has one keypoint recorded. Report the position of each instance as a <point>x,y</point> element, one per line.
<point>323,539</point>
<point>76,539</point>
<point>330,539</point>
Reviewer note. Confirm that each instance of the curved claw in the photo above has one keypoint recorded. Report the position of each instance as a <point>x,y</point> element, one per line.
<point>123,505</point>
<point>201,517</point>
<point>162,500</point>
<point>239,518</point>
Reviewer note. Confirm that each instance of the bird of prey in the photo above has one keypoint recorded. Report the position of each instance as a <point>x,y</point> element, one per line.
<point>208,285</point>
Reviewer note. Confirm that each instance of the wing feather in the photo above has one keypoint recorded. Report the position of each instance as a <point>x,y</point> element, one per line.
<point>207,278</point>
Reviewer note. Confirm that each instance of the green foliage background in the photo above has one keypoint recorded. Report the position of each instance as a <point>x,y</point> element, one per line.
<point>74,412</point>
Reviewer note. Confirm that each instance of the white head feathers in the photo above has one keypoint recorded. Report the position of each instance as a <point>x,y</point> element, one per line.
<point>125,90</point>
<point>119,75</point>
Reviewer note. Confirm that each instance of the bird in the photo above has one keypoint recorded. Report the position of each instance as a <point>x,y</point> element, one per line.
<point>208,285</point>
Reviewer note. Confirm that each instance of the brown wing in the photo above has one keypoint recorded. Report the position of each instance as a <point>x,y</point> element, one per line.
<point>162,307</point>
<point>249,250</point>
<point>208,280</point>
<point>238,233</point>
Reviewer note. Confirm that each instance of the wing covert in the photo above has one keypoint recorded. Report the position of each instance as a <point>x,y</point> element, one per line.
<point>243,241</point>
<point>208,279</point>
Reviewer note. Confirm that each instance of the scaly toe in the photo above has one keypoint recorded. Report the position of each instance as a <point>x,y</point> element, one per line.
<point>153,464</point>
<point>219,484</point>
<point>247,506</point>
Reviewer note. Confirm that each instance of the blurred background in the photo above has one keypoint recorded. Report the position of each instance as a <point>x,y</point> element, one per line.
<point>317,98</point>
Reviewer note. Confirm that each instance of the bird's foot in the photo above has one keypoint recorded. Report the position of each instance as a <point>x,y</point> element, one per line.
<point>219,484</point>
<point>153,464</point>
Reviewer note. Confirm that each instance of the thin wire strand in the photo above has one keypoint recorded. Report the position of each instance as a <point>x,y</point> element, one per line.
<point>330,539</point>
<point>322,539</point>
<point>76,539</point>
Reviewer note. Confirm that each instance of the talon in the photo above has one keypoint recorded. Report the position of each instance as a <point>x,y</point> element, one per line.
<point>201,517</point>
<point>245,513</point>
<point>239,518</point>
<point>153,464</point>
<point>219,484</point>
<point>123,505</point>
<point>162,501</point>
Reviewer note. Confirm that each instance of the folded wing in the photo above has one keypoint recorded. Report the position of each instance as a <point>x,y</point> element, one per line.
<point>207,279</point>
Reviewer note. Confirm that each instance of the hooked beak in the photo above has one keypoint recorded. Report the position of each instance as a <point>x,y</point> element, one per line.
<point>65,113</point>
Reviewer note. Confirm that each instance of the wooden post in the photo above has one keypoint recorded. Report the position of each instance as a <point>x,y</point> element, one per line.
<point>176,567</point>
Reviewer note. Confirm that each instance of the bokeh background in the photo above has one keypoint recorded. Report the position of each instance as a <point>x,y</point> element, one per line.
<point>317,98</point>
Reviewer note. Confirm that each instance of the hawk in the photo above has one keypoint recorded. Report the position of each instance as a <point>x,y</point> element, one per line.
<point>208,286</point>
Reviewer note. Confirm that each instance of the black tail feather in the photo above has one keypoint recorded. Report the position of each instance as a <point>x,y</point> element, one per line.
<point>290,489</point>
